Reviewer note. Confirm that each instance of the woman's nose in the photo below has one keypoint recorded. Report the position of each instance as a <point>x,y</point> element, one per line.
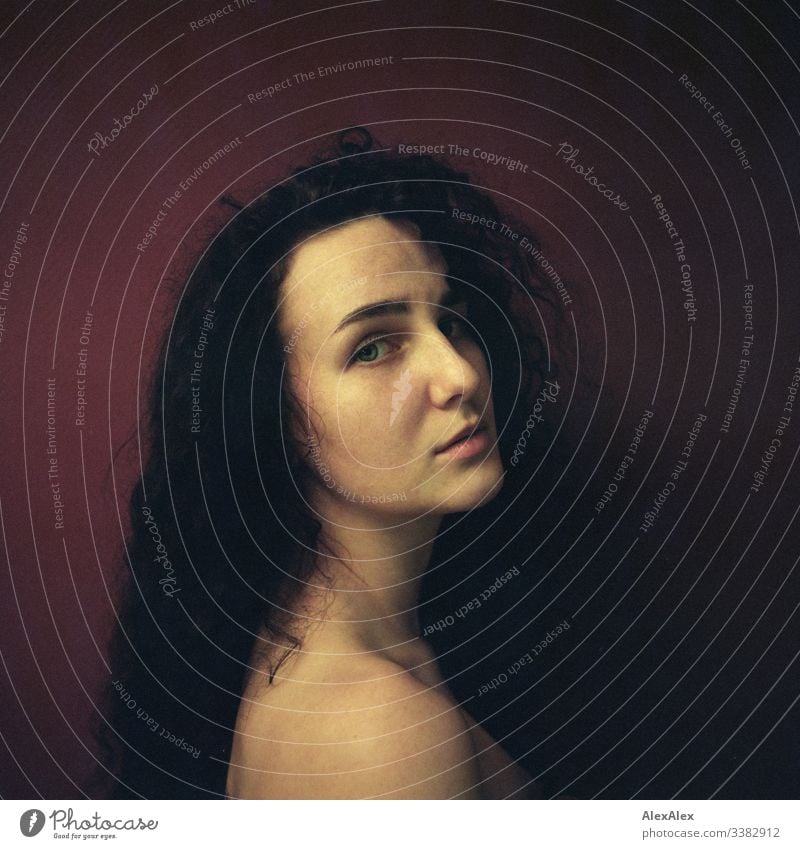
<point>450,374</point>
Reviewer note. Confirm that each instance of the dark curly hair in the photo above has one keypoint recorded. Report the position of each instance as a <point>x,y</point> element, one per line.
<point>221,538</point>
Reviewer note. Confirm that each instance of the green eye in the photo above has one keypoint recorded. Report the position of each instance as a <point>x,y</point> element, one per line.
<point>369,352</point>
<point>459,327</point>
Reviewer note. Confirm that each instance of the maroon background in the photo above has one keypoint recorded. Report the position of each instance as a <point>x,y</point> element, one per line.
<point>514,80</point>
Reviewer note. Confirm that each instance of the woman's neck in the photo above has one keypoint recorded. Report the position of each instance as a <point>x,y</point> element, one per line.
<point>367,589</point>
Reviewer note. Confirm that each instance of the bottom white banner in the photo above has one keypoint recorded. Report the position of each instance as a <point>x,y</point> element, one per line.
<point>402,824</point>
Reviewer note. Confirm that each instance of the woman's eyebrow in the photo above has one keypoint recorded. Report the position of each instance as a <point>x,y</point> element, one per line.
<point>396,306</point>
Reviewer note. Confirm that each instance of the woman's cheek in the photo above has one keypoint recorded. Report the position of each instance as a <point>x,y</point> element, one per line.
<point>369,433</point>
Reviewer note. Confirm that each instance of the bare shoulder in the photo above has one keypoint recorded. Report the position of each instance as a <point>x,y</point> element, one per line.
<point>371,730</point>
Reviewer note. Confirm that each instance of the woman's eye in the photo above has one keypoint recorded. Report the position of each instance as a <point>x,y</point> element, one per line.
<point>377,347</point>
<point>454,326</point>
<point>370,351</point>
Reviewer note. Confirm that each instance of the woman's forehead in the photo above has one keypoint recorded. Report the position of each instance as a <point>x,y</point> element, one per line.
<point>371,246</point>
<point>356,261</point>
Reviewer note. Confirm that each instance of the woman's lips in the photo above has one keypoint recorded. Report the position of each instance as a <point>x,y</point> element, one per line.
<point>470,446</point>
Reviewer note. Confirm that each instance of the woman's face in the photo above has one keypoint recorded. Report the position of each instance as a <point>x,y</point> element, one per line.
<point>383,361</point>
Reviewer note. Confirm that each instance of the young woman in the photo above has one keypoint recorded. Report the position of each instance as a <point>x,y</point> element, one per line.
<point>349,367</point>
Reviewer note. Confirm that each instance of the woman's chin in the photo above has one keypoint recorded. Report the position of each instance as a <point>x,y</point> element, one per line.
<point>406,502</point>
<point>493,491</point>
<point>475,494</point>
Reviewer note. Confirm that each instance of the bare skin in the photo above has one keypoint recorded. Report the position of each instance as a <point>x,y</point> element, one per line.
<point>362,725</point>
<point>361,711</point>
